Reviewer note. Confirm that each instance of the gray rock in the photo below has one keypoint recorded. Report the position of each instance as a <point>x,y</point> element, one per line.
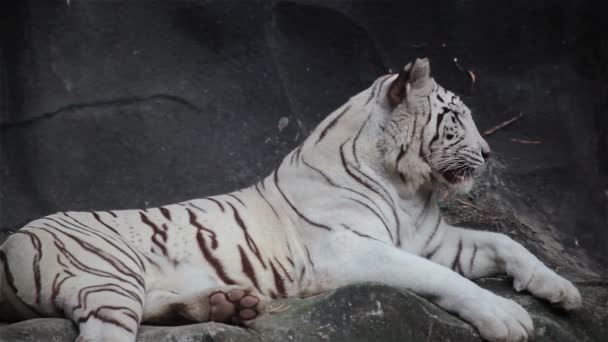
<point>39,330</point>
<point>366,312</point>
<point>108,90</point>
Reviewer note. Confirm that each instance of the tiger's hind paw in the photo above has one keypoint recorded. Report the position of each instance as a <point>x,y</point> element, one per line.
<point>234,306</point>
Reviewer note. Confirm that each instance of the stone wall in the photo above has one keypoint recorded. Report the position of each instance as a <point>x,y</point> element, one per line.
<point>124,104</point>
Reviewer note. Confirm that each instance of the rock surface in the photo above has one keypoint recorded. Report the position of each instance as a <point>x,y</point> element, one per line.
<point>366,312</point>
<point>107,105</point>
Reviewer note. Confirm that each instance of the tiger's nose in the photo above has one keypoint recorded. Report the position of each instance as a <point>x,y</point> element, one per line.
<point>486,153</point>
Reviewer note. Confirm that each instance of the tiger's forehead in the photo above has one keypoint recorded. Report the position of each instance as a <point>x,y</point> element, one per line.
<point>443,98</point>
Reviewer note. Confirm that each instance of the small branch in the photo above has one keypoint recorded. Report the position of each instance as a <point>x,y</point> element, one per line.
<point>522,141</point>
<point>469,204</point>
<point>502,125</point>
<point>473,77</point>
<point>280,308</point>
<point>458,65</point>
<point>598,283</point>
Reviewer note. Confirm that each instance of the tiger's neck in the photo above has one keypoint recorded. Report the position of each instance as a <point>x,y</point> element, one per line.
<point>365,133</point>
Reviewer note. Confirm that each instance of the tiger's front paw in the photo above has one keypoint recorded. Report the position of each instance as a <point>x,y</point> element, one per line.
<point>543,283</point>
<point>498,319</point>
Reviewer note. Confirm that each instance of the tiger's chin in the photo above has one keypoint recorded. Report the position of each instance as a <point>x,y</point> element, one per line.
<point>458,184</point>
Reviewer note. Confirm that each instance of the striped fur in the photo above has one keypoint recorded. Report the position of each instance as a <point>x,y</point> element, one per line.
<point>354,202</point>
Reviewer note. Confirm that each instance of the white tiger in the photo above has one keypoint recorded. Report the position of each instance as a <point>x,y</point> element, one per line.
<point>355,202</point>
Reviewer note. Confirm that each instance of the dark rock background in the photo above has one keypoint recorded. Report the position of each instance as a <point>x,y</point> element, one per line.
<point>123,104</point>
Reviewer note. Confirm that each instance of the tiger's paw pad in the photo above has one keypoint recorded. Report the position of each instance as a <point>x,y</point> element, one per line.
<point>234,306</point>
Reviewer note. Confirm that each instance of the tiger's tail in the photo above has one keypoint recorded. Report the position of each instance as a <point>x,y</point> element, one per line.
<point>8,312</point>
<point>3,284</point>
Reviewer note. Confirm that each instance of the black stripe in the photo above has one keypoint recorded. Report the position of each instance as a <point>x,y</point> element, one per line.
<point>298,153</point>
<point>248,268</point>
<point>283,269</point>
<point>331,124</point>
<point>312,223</point>
<point>354,147</point>
<point>216,202</point>
<point>279,282</point>
<point>440,117</point>
<point>250,242</point>
<point>435,229</point>
<point>351,173</point>
<point>111,320</point>
<point>358,233</point>
<point>377,215</point>
<point>238,199</point>
<point>211,259</point>
<point>84,292</point>
<point>82,227</point>
<point>156,232</point>
<point>165,212</point>
<point>194,221</point>
<point>456,263</point>
<point>97,217</point>
<point>312,264</point>
<point>428,120</point>
<point>455,142</point>
<point>471,155</point>
<point>75,261</point>
<point>333,183</point>
<point>117,263</point>
<point>400,155</point>
<point>472,258</point>
<point>385,195</point>
<point>424,211</point>
<point>267,202</point>
<point>36,260</point>
<point>371,96</point>
<point>196,207</point>
<point>411,137</point>
<point>382,83</point>
<point>11,283</point>
<point>432,253</point>
<point>293,157</point>
<point>459,121</point>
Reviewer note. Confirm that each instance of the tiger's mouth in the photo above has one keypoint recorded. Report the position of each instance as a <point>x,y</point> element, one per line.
<point>459,175</point>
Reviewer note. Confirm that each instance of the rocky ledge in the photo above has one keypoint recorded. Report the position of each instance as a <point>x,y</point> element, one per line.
<point>366,312</point>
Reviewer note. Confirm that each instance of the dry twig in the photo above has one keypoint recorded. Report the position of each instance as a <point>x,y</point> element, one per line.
<point>458,65</point>
<point>473,77</point>
<point>469,204</point>
<point>280,308</point>
<point>502,125</point>
<point>522,141</point>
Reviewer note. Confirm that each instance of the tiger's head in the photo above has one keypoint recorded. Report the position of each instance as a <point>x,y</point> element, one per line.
<point>430,134</point>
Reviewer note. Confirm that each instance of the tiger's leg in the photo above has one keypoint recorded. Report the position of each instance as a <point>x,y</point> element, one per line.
<point>476,254</point>
<point>347,259</point>
<point>104,309</point>
<point>226,304</point>
<point>48,277</point>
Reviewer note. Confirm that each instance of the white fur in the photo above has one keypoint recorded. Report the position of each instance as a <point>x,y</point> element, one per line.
<point>338,210</point>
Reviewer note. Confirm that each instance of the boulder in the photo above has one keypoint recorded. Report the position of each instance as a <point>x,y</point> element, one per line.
<point>365,312</point>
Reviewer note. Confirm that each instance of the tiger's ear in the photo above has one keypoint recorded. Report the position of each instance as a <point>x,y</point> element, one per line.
<point>420,76</point>
<point>397,91</point>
